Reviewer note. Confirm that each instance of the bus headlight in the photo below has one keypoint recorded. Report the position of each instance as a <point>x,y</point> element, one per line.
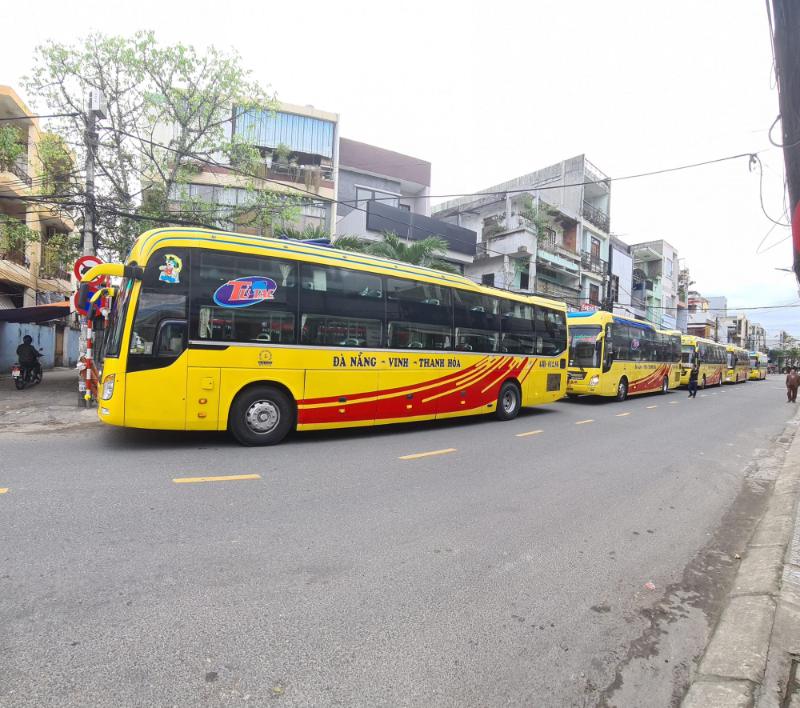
<point>594,380</point>
<point>108,387</point>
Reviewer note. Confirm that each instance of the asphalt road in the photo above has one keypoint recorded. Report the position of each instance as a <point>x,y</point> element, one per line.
<point>509,570</point>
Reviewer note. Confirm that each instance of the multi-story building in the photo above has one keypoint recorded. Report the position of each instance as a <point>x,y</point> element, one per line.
<point>32,270</point>
<point>299,149</point>
<point>380,190</point>
<point>655,281</point>
<point>620,280</point>
<point>546,232</point>
<point>701,322</point>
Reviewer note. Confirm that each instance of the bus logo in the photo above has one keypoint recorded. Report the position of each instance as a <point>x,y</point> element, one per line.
<point>243,292</point>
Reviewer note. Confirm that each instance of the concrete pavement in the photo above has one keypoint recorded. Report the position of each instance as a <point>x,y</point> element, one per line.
<point>584,564</point>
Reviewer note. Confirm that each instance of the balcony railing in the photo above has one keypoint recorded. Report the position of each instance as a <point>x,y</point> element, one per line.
<point>594,264</point>
<point>596,216</point>
<point>52,265</point>
<point>311,175</point>
<point>556,291</point>
<point>11,252</point>
<point>20,170</point>
<point>556,249</point>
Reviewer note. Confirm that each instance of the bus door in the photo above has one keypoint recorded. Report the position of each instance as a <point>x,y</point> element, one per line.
<point>155,379</point>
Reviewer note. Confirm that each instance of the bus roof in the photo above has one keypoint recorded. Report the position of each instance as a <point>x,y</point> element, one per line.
<point>694,339</point>
<point>181,237</point>
<point>602,317</point>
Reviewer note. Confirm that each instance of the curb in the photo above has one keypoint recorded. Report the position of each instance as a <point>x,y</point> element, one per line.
<point>749,660</point>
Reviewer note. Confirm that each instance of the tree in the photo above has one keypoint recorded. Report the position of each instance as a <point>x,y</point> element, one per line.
<point>539,215</point>
<point>426,252</point>
<point>11,146</point>
<point>169,112</point>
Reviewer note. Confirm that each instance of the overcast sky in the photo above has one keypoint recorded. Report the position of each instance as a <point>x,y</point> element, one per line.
<point>487,91</point>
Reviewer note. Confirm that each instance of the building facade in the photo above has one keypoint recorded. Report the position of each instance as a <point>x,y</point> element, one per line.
<point>545,232</point>
<point>620,279</point>
<point>299,148</point>
<point>381,190</point>
<point>655,282</point>
<point>33,270</point>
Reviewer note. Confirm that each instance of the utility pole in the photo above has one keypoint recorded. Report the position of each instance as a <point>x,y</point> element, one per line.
<point>785,25</point>
<point>95,109</point>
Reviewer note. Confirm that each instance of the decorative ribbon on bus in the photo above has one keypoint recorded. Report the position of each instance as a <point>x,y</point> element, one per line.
<point>243,292</point>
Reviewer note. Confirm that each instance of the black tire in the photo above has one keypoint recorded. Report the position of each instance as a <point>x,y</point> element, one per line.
<point>572,396</point>
<point>261,415</point>
<point>509,401</point>
<point>664,385</point>
<point>19,383</point>
<point>622,389</point>
<point>704,383</point>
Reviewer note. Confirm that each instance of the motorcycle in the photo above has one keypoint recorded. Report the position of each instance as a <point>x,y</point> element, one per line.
<point>26,375</point>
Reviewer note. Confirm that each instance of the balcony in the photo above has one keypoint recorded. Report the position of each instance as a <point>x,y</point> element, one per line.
<point>593,264</point>
<point>596,216</point>
<point>52,265</point>
<point>557,292</point>
<point>557,249</point>
<point>311,176</point>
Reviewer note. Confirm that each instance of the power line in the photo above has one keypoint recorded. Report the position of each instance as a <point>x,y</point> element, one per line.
<point>52,115</point>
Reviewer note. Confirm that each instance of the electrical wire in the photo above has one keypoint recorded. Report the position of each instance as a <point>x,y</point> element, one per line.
<point>52,115</point>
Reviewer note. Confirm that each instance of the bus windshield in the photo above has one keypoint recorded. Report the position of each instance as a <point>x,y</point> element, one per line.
<point>687,354</point>
<point>582,349</point>
<point>116,320</point>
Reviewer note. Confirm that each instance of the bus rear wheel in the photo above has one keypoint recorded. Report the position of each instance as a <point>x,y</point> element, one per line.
<point>704,383</point>
<point>509,401</point>
<point>261,416</point>
<point>622,389</point>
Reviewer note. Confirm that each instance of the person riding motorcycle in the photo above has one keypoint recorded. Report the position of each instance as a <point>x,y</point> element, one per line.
<point>28,356</point>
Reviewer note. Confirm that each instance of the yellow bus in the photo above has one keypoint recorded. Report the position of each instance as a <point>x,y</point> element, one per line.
<point>709,354</point>
<point>737,364</point>
<point>758,366</point>
<point>214,331</point>
<point>615,356</point>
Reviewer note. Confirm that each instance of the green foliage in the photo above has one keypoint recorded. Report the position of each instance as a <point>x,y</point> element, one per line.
<point>308,232</point>
<point>426,252</point>
<point>540,217</point>
<point>169,110</point>
<point>11,146</point>
<point>57,176</point>
<point>15,237</point>
<point>59,252</point>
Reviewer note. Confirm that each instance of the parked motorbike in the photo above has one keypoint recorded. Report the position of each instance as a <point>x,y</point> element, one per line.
<point>26,375</point>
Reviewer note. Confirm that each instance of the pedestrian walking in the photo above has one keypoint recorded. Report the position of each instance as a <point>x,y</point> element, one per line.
<point>693,374</point>
<point>792,382</point>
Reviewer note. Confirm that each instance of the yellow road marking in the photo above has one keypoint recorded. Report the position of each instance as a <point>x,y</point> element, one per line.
<point>427,454</point>
<point>530,432</point>
<point>3,490</point>
<point>621,415</point>
<point>652,406</point>
<point>228,478</point>
<point>581,422</point>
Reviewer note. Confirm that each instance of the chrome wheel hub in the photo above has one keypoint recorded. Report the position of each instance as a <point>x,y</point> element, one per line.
<point>509,401</point>
<point>262,417</point>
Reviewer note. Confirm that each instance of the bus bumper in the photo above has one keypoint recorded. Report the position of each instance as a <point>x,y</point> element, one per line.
<point>579,383</point>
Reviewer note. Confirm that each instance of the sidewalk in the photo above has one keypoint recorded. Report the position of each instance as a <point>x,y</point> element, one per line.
<point>751,659</point>
<point>50,406</point>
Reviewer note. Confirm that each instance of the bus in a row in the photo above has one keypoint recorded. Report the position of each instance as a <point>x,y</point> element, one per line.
<point>615,356</point>
<point>214,331</point>
<point>737,364</point>
<point>758,366</point>
<point>708,354</point>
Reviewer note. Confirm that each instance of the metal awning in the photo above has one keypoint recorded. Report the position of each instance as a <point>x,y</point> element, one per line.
<point>38,313</point>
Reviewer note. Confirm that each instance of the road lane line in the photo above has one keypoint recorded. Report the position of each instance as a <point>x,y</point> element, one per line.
<point>530,432</point>
<point>581,422</point>
<point>621,415</point>
<point>3,490</point>
<point>672,403</point>
<point>227,478</point>
<point>652,406</point>
<point>426,454</point>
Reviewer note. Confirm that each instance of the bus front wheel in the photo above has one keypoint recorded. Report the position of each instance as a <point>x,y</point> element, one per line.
<point>622,389</point>
<point>704,383</point>
<point>664,385</point>
<point>261,416</point>
<point>509,401</point>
